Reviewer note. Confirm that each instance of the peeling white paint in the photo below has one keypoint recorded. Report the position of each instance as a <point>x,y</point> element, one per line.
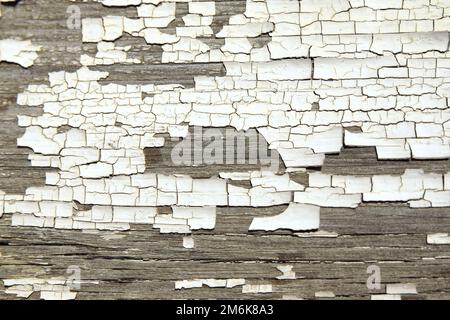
<point>108,54</point>
<point>388,297</point>
<point>20,52</point>
<point>438,238</point>
<point>211,283</point>
<point>327,68</point>
<point>257,288</point>
<point>188,242</point>
<point>317,234</point>
<point>49,289</point>
<point>401,288</point>
<point>297,217</point>
<point>288,274</point>
<point>325,295</point>
<point>417,188</point>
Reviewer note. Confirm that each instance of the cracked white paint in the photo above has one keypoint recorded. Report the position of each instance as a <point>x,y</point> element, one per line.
<point>290,297</point>
<point>211,283</point>
<point>49,289</point>
<point>287,273</point>
<point>20,52</point>
<point>324,295</point>
<point>225,284</point>
<point>188,242</point>
<point>401,288</point>
<point>388,297</point>
<point>395,291</point>
<point>257,288</point>
<point>329,67</point>
<point>108,54</point>
<point>296,217</point>
<point>317,234</point>
<point>417,188</point>
<point>438,238</point>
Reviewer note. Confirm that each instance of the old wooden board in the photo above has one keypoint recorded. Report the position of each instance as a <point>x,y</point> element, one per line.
<point>142,263</point>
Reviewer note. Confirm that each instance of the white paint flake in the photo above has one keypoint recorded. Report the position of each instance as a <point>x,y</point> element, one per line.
<point>297,217</point>
<point>188,242</point>
<point>438,238</point>
<point>20,52</point>
<point>211,283</point>
<point>257,288</point>
<point>288,274</point>
<point>49,289</point>
<point>389,297</point>
<point>324,295</point>
<point>108,54</point>
<point>401,288</point>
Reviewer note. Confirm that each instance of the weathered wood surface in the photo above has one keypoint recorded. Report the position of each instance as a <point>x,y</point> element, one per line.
<point>145,264</point>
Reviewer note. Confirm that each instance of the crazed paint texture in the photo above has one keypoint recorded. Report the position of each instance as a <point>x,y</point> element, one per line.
<point>57,288</point>
<point>328,67</point>
<point>328,75</point>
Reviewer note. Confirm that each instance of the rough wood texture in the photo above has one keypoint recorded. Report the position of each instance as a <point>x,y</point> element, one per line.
<point>142,263</point>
